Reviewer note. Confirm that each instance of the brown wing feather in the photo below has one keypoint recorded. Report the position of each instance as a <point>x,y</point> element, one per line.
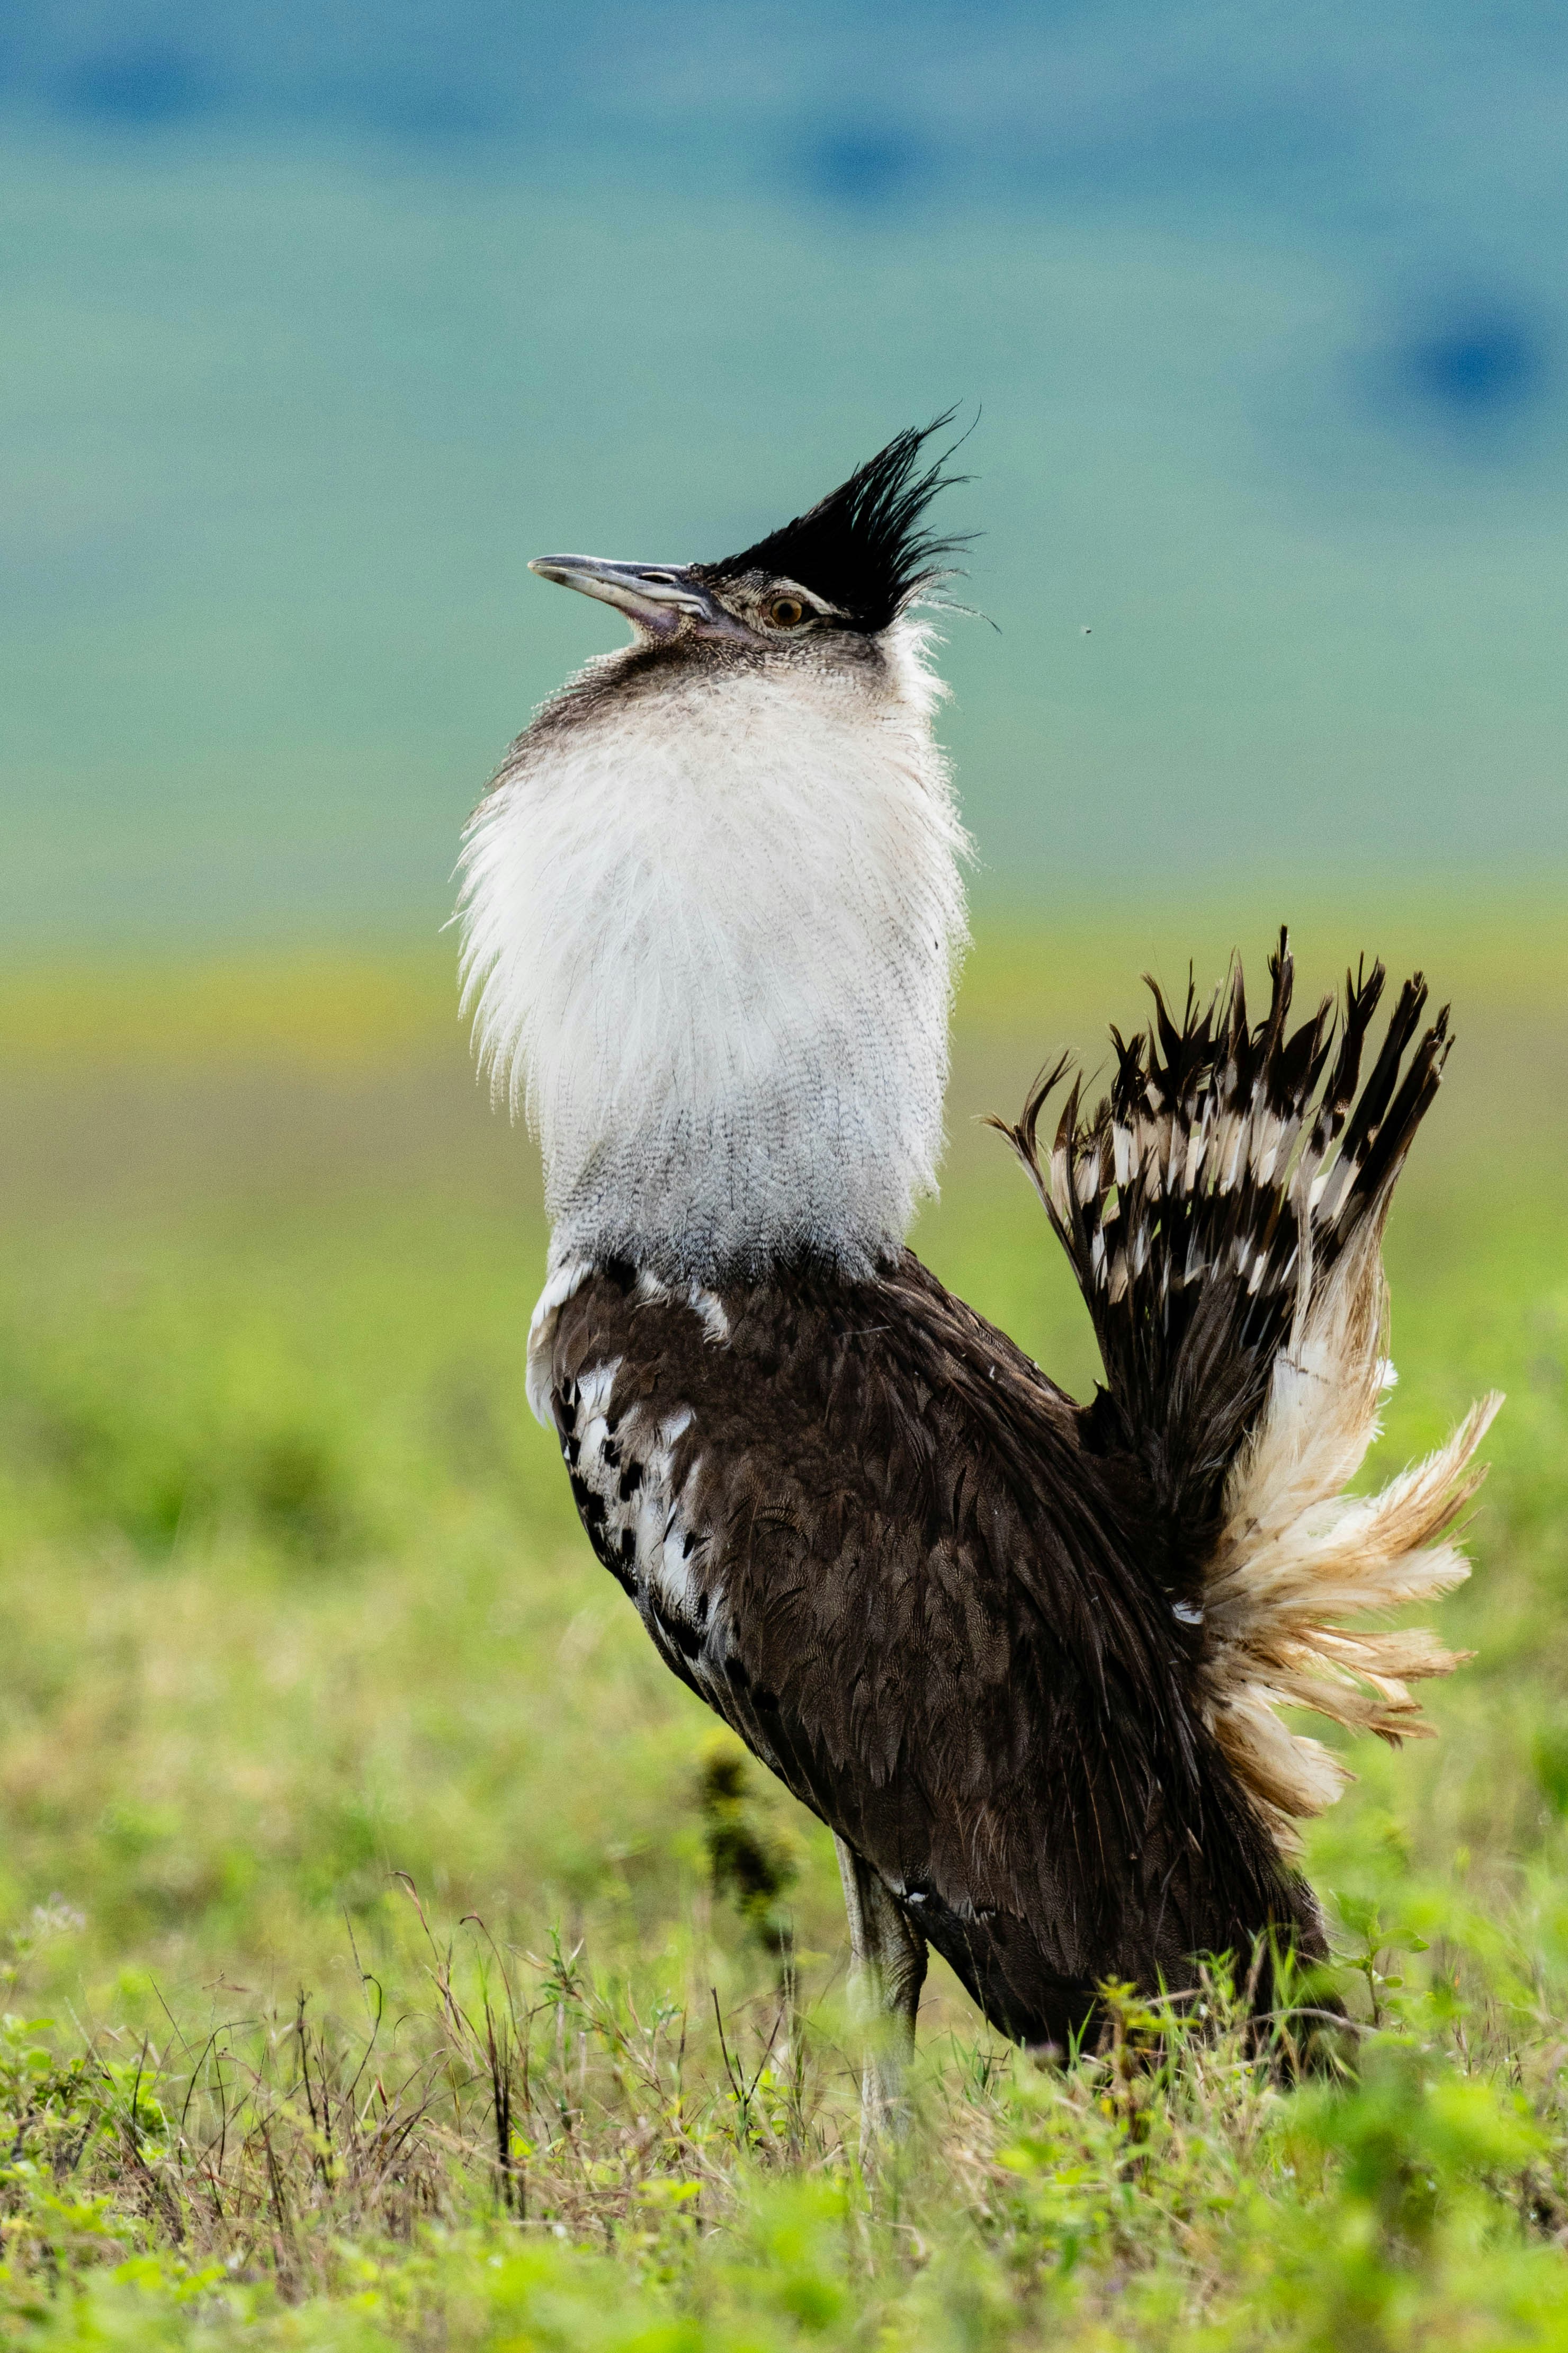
<point>862,1526</point>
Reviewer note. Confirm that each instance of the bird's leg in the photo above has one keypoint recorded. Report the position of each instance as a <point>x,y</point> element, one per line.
<point>886,1970</point>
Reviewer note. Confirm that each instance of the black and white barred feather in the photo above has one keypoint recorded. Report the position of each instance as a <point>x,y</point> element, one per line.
<point>1223,1208</point>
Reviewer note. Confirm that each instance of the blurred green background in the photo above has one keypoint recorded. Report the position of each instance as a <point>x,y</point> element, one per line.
<point>318,324</point>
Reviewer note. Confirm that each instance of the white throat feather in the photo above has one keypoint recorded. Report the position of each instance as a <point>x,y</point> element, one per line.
<point>712,911</point>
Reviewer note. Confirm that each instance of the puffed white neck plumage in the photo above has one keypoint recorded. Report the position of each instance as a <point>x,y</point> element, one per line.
<point>712,909</point>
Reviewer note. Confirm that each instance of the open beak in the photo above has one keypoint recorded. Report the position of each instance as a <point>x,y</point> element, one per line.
<point>654,596</point>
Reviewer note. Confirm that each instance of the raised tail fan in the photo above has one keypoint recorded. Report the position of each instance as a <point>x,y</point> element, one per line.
<point>1223,1208</point>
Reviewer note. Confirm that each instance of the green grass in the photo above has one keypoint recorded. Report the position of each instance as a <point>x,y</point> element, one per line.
<point>310,1691</point>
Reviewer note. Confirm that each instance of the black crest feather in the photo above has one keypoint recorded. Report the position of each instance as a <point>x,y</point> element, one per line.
<point>862,547</point>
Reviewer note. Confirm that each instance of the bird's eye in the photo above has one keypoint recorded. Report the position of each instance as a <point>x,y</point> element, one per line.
<point>785,612</point>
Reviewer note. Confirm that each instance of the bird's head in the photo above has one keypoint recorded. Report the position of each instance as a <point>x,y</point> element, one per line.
<point>713,901</point>
<point>833,580</point>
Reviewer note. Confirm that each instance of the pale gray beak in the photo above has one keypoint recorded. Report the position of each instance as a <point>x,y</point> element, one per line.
<point>655,595</point>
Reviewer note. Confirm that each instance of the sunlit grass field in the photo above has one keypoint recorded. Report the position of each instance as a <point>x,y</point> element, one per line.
<point>310,1691</point>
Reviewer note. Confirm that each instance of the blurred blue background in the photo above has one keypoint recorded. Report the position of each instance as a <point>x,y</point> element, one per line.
<point>320,320</point>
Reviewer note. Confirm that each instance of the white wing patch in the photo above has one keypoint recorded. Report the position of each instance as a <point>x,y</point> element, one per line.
<point>706,1305</point>
<point>564,1281</point>
<point>637,1512</point>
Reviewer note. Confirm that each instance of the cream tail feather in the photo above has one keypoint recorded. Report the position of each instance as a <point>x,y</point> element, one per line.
<point>1297,1555</point>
